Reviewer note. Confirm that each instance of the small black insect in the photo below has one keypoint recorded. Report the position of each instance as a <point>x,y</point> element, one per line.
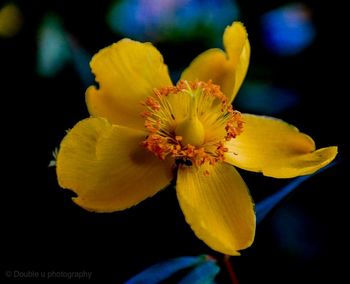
<point>183,161</point>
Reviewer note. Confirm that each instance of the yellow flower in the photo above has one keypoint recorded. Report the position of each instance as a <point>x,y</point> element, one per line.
<point>143,130</point>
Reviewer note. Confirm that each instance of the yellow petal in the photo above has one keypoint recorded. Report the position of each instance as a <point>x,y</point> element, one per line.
<point>238,49</point>
<point>212,65</point>
<point>217,206</point>
<point>225,69</point>
<point>107,168</point>
<point>276,149</point>
<point>127,73</point>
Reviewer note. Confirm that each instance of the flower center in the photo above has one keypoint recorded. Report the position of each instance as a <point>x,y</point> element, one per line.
<point>191,128</point>
<point>190,122</point>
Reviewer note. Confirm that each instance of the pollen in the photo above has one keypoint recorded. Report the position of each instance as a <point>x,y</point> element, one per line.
<point>190,122</point>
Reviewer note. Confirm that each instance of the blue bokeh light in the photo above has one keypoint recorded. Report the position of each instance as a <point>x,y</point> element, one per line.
<point>288,30</point>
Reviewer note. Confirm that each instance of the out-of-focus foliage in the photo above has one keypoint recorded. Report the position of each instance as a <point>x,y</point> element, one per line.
<point>10,20</point>
<point>203,274</point>
<point>204,269</point>
<point>53,47</point>
<point>265,206</point>
<point>294,232</point>
<point>161,20</point>
<point>57,48</point>
<point>265,98</point>
<point>80,60</point>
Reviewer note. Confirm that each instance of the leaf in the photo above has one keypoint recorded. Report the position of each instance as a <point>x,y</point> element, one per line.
<point>164,270</point>
<point>265,206</point>
<point>203,274</point>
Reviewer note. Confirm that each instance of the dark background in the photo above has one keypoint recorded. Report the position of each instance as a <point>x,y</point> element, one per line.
<point>303,241</point>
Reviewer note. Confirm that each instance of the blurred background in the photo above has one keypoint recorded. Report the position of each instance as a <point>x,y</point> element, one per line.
<point>296,73</point>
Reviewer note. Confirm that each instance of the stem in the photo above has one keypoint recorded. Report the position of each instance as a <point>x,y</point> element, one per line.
<point>230,270</point>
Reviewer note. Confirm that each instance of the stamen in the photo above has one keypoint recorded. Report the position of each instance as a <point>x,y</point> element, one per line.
<point>190,122</point>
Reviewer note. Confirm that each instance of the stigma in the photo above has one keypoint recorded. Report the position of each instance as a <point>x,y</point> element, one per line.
<point>190,122</point>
